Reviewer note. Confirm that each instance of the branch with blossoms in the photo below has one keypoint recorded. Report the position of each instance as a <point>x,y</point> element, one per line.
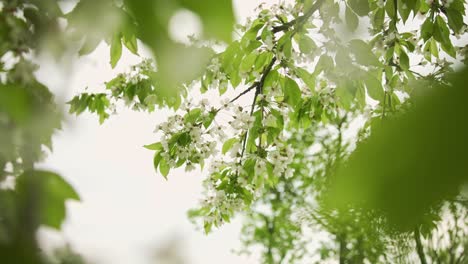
<point>301,74</point>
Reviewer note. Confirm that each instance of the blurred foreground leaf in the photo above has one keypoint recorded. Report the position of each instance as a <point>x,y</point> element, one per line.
<point>411,162</point>
<point>51,192</point>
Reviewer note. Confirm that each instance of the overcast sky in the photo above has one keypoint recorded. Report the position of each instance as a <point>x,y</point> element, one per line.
<point>127,210</point>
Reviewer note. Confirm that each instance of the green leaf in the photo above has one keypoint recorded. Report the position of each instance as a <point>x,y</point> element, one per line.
<point>404,60</point>
<point>131,44</point>
<point>262,60</point>
<point>89,45</point>
<point>390,8</point>
<point>455,19</point>
<point>228,144</point>
<point>51,190</point>
<point>156,159</point>
<point>292,92</point>
<point>193,115</point>
<point>248,62</point>
<point>441,31</point>
<point>352,20</point>
<point>433,48</point>
<point>374,88</point>
<point>154,146</point>
<point>450,49</point>
<point>115,50</point>
<point>403,9</point>
<point>325,63</point>
<point>271,78</point>
<point>164,167</point>
<point>360,7</point>
<point>378,18</point>
<point>345,92</point>
<point>207,227</point>
<point>306,44</point>
<point>307,77</point>
<point>285,44</point>
<point>442,35</point>
<point>427,29</point>
<point>209,119</point>
<point>363,53</point>
<point>217,17</point>
<point>410,163</point>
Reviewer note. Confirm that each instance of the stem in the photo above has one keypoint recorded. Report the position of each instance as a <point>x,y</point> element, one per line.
<point>299,20</point>
<point>259,86</point>
<point>419,247</point>
<point>342,249</point>
<point>271,229</point>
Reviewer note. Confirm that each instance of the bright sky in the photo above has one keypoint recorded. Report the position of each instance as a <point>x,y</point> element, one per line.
<point>127,210</point>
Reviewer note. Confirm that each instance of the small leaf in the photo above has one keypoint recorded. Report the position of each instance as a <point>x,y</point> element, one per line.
<point>228,144</point>
<point>115,50</point>
<point>207,227</point>
<point>154,146</point>
<point>156,159</point>
<point>192,115</point>
<point>164,168</point>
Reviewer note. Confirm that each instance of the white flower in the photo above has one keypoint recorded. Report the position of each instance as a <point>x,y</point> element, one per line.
<point>289,173</point>
<point>189,167</point>
<point>226,103</point>
<point>270,120</point>
<point>260,166</point>
<point>215,65</point>
<point>269,43</point>
<point>235,149</point>
<point>204,102</point>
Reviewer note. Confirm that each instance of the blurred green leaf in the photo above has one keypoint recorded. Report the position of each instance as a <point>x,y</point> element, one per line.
<point>361,7</point>
<point>412,162</point>
<point>363,53</point>
<point>51,192</point>
<point>352,20</point>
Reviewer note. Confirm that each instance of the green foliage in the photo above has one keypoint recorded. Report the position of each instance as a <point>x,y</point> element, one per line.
<point>378,194</point>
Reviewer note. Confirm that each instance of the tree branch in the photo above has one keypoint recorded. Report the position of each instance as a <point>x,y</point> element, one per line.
<point>299,20</point>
